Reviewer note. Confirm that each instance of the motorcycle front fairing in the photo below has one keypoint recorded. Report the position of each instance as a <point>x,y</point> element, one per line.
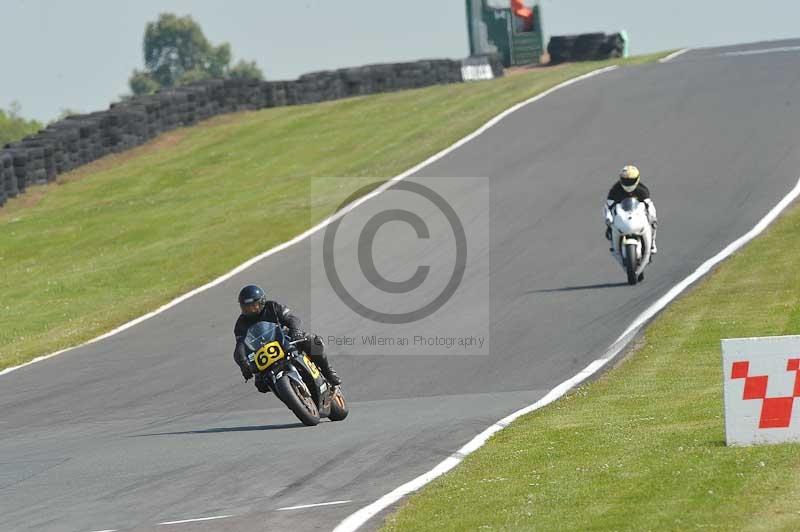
<point>631,226</point>
<point>258,336</point>
<point>268,349</point>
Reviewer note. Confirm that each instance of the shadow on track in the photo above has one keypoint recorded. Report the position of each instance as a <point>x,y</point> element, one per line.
<point>575,288</point>
<point>226,429</point>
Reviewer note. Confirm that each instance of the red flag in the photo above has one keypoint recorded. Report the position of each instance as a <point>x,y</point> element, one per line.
<point>523,12</point>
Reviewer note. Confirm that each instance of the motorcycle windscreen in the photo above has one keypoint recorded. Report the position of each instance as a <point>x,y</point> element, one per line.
<point>629,204</point>
<point>262,333</point>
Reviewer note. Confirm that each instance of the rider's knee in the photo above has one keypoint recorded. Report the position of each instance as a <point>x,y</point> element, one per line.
<point>315,346</point>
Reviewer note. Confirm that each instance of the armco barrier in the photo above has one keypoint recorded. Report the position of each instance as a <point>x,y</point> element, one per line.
<point>81,139</point>
<point>585,47</point>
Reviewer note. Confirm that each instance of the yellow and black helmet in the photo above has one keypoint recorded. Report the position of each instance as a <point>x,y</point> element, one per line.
<point>629,178</point>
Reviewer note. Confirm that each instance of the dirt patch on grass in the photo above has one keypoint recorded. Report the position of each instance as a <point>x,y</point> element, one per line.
<point>31,197</point>
<point>223,120</point>
<point>164,141</point>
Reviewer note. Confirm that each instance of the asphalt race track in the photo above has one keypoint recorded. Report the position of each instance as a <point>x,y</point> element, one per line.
<point>155,424</point>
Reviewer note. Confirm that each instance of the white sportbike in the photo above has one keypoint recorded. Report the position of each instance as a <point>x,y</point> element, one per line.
<point>631,237</point>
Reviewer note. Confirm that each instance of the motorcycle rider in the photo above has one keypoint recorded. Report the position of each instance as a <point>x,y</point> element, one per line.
<point>255,308</point>
<point>630,186</point>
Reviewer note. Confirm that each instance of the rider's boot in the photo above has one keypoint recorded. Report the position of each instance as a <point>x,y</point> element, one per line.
<point>325,366</point>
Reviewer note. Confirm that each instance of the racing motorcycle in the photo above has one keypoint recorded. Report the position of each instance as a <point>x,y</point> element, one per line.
<point>631,237</point>
<point>292,376</point>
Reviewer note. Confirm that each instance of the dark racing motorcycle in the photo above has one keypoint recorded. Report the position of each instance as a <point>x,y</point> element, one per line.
<point>292,376</point>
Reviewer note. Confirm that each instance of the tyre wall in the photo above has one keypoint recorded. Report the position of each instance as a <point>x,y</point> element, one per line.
<point>81,139</point>
<point>585,47</point>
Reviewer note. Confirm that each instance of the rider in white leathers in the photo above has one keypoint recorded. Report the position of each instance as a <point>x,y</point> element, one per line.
<point>629,186</point>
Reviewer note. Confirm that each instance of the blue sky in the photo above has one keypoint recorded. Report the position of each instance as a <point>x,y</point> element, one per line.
<point>79,54</point>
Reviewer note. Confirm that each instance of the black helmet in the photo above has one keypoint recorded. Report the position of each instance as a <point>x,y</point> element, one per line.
<point>252,300</point>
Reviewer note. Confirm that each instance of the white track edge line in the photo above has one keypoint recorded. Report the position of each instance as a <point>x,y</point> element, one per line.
<point>323,223</point>
<point>196,520</point>
<point>355,520</point>
<point>673,55</point>
<point>302,506</point>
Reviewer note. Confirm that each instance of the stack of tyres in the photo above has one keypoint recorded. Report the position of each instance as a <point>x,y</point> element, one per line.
<point>49,145</point>
<point>255,96</point>
<point>8,183</point>
<point>585,47</point>
<point>380,78</point>
<point>37,175</point>
<point>355,81</point>
<point>56,143</point>
<point>449,71</point>
<point>28,164</point>
<point>80,139</point>
<point>35,167</point>
<point>88,133</point>
<point>274,93</point>
<point>614,46</point>
<point>110,131</point>
<point>3,182</point>
<point>292,92</point>
<point>323,86</point>
<point>68,133</point>
<point>19,162</point>
<point>560,48</point>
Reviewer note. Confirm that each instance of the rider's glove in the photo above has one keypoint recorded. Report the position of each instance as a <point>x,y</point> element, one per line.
<point>246,373</point>
<point>609,217</point>
<point>296,334</point>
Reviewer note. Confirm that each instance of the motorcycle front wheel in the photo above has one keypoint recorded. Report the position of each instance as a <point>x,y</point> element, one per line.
<point>299,400</point>
<point>630,263</point>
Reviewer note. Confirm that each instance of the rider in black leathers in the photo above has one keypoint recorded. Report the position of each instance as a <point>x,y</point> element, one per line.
<point>255,308</point>
<point>630,186</point>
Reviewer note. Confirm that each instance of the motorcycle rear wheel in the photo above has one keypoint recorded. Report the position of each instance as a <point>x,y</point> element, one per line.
<point>298,399</point>
<point>630,263</point>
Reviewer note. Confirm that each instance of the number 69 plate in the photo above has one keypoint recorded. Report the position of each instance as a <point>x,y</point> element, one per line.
<point>268,355</point>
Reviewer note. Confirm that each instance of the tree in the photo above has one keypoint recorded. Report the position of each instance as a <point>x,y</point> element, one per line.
<point>246,70</point>
<point>143,83</point>
<point>13,127</point>
<point>176,51</point>
<point>218,60</point>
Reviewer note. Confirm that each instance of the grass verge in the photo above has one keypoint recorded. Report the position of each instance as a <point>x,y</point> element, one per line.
<point>642,448</point>
<point>116,239</point>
